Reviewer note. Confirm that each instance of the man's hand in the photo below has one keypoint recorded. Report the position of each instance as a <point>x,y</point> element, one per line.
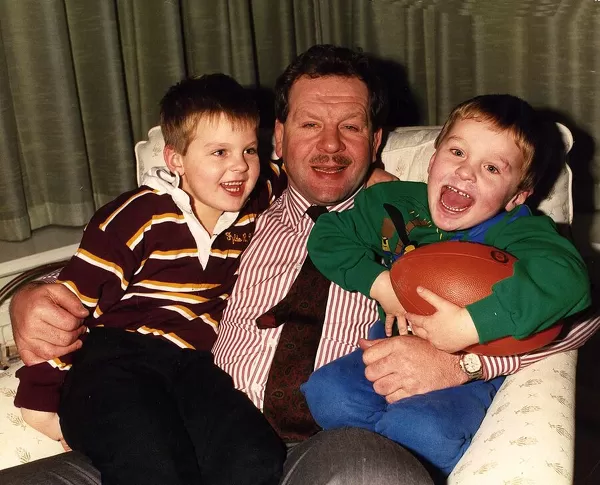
<point>46,321</point>
<point>450,328</point>
<point>383,292</point>
<point>379,175</point>
<point>403,366</point>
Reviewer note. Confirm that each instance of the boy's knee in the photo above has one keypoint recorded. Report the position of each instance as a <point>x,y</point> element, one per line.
<point>414,424</point>
<point>432,429</point>
<point>324,395</point>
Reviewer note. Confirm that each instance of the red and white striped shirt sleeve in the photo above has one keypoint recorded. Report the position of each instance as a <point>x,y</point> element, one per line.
<point>581,330</point>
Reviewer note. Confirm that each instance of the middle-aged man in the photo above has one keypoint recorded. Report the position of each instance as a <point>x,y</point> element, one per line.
<point>329,108</point>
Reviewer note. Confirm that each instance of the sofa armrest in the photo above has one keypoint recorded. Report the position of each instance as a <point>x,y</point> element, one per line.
<point>528,434</point>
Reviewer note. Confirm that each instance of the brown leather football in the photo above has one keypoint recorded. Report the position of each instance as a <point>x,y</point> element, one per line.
<point>461,272</point>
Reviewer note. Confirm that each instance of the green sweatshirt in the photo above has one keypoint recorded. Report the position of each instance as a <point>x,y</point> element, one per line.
<point>550,281</point>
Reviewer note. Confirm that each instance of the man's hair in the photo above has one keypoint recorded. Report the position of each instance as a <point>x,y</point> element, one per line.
<point>520,119</point>
<point>329,60</point>
<point>211,95</point>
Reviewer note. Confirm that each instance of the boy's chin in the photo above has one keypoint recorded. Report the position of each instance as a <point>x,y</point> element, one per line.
<point>456,222</point>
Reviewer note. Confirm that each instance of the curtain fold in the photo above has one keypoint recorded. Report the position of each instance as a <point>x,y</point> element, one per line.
<point>80,80</point>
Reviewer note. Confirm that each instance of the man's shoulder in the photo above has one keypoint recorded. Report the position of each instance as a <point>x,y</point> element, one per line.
<point>398,192</point>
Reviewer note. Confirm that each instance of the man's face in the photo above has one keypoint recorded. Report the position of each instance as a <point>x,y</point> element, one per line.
<point>474,174</point>
<point>327,142</point>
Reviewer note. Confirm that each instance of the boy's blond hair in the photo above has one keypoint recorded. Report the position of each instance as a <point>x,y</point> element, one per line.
<point>211,96</point>
<point>506,112</point>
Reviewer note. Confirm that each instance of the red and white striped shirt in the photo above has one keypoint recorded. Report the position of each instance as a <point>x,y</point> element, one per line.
<point>267,270</point>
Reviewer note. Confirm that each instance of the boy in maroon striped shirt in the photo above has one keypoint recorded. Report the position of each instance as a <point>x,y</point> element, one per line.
<point>155,268</point>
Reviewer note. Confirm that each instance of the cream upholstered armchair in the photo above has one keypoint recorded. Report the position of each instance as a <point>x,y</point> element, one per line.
<point>527,437</point>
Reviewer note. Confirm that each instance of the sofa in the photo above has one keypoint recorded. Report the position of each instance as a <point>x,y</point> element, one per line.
<point>527,437</point>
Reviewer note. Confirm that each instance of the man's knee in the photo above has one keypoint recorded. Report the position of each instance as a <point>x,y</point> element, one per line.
<point>352,456</point>
<point>65,469</point>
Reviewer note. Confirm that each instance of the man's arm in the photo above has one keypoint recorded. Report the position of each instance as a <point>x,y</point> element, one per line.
<point>404,366</point>
<point>46,321</point>
<point>579,333</point>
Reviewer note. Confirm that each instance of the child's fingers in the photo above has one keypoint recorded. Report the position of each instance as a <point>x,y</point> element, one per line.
<point>417,324</point>
<point>431,298</point>
<point>402,324</point>
<point>389,324</point>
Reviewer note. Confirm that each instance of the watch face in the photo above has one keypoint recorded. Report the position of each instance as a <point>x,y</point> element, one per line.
<point>472,363</point>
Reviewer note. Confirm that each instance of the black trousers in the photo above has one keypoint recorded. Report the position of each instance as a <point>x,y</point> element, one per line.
<point>146,412</point>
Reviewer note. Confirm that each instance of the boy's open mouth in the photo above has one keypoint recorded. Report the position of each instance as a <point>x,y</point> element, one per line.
<point>232,187</point>
<point>455,200</point>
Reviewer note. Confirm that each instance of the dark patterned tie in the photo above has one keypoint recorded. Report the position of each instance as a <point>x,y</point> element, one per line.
<point>301,313</point>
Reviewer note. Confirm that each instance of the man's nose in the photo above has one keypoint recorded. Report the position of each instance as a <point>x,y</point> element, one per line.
<point>330,140</point>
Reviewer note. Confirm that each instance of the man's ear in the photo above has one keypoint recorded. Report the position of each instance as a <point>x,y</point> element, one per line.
<point>173,160</point>
<point>376,143</point>
<point>518,199</point>
<point>279,129</point>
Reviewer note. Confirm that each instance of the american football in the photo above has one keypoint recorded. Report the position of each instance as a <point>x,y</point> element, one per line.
<point>462,273</point>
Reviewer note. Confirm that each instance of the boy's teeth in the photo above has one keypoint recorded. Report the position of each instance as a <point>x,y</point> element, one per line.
<point>232,186</point>
<point>460,192</point>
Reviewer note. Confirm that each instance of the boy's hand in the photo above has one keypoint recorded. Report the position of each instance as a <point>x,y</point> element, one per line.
<point>46,423</point>
<point>450,328</point>
<point>383,292</point>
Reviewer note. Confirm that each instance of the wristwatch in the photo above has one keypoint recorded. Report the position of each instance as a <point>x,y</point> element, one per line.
<point>472,366</point>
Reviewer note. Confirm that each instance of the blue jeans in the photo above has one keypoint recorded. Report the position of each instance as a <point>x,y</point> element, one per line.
<point>437,426</point>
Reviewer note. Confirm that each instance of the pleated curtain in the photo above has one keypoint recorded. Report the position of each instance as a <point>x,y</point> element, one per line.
<point>80,80</point>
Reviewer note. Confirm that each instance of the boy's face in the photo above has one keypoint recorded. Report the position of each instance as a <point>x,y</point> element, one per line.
<point>473,175</point>
<point>220,168</point>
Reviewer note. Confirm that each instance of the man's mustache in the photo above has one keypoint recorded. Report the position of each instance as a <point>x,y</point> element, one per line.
<point>323,159</point>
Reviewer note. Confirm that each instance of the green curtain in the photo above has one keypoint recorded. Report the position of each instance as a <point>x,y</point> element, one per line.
<point>80,80</point>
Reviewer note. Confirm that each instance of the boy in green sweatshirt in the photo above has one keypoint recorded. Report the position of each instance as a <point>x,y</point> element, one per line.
<point>490,154</point>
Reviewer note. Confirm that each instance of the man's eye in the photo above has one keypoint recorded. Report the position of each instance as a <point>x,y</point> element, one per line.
<point>458,152</point>
<point>351,127</point>
<point>309,125</point>
<point>492,169</point>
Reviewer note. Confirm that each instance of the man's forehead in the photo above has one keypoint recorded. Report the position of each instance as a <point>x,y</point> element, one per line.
<point>328,89</point>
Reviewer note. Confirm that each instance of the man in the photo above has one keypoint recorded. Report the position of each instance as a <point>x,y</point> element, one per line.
<point>329,108</point>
